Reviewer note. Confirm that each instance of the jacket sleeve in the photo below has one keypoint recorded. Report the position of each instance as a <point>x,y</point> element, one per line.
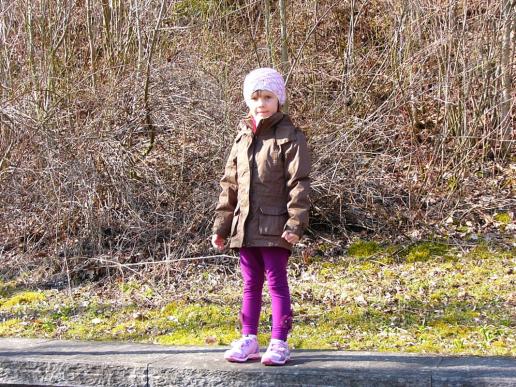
<point>228,197</point>
<point>297,171</point>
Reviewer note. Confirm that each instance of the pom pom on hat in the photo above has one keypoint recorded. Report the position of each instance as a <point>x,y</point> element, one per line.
<point>264,78</point>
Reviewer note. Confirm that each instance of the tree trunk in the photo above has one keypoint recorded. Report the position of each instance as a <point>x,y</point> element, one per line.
<point>284,43</point>
<point>508,21</point>
<point>268,35</point>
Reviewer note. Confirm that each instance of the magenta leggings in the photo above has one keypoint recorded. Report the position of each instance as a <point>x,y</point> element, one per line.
<point>255,264</point>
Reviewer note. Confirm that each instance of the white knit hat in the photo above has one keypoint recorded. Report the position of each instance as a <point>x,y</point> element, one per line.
<point>264,78</point>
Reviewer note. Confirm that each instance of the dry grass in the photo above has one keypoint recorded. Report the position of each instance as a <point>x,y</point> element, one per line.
<point>116,118</point>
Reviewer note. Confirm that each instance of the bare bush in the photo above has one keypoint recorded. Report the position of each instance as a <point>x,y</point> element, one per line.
<point>116,118</point>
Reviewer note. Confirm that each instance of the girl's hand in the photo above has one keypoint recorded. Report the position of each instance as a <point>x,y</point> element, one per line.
<point>218,242</point>
<point>290,237</point>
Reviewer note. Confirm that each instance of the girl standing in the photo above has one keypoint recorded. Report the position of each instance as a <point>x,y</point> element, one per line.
<point>263,210</point>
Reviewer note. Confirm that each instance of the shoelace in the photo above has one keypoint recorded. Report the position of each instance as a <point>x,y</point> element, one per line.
<point>278,347</point>
<point>241,343</point>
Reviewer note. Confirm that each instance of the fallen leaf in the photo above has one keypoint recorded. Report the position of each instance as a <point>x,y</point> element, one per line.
<point>211,340</point>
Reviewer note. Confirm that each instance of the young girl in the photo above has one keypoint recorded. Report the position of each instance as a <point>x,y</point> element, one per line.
<point>263,210</point>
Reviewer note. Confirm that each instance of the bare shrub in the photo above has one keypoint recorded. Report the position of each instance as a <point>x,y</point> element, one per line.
<point>116,119</point>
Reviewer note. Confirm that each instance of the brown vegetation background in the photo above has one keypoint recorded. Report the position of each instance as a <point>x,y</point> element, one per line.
<point>116,117</point>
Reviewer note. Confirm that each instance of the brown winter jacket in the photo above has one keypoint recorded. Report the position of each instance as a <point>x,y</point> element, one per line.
<point>265,185</point>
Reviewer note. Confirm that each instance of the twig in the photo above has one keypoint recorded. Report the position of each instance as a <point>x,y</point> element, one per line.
<point>118,264</point>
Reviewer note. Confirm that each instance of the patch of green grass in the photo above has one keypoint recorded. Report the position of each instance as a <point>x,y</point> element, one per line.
<point>439,303</point>
<point>363,249</point>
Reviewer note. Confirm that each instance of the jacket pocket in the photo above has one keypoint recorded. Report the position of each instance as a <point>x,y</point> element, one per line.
<point>234,223</point>
<point>272,220</point>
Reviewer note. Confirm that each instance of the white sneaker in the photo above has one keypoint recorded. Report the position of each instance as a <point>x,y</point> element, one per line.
<point>277,353</point>
<point>243,349</point>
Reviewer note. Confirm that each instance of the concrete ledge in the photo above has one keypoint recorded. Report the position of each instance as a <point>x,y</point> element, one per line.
<point>70,363</point>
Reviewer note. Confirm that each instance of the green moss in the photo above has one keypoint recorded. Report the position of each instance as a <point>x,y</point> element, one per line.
<point>329,271</point>
<point>368,267</point>
<point>24,298</point>
<point>199,314</point>
<point>425,251</point>
<point>212,336</point>
<point>483,251</point>
<point>462,229</point>
<point>388,273</point>
<point>148,292</point>
<point>10,327</point>
<point>438,295</point>
<point>363,249</point>
<point>503,217</point>
<point>86,328</point>
<point>454,316</point>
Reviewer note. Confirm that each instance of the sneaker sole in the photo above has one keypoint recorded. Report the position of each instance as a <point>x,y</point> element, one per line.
<point>240,360</point>
<point>270,362</point>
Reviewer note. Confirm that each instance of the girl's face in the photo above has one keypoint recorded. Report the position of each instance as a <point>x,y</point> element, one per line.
<point>263,104</point>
